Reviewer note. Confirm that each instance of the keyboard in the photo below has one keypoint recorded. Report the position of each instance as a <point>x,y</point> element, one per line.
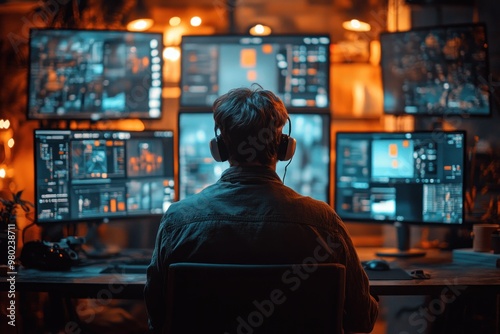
<point>392,274</point>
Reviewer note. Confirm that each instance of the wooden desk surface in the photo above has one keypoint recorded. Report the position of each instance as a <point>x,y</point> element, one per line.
<point>445,276</point>
<point>88,282</point>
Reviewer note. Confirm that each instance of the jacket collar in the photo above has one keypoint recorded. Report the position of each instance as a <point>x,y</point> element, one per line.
<point>249,174</point>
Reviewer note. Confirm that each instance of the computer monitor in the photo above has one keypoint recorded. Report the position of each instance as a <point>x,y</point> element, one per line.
<point>94,74</point>
<point>102,175</point>
<point>308,172</point>
<point>402,178</point>
<point>295,67</point>
<point>436,71</point>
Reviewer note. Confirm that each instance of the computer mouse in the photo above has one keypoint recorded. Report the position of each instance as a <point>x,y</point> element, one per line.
<point>377,264</point>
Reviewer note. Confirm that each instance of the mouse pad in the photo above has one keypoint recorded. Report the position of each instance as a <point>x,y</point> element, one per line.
<point>393,274</point>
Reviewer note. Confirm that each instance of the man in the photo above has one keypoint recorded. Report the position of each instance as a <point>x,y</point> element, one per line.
<point>250,216</point>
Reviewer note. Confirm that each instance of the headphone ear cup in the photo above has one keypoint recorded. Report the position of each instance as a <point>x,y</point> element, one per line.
<point>218,149</point>
<point>286,147</point>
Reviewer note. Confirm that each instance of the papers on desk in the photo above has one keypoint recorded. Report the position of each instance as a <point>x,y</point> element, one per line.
<point>468,256</point>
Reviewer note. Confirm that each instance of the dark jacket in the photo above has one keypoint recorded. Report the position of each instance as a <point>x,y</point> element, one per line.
<point>249,216</point>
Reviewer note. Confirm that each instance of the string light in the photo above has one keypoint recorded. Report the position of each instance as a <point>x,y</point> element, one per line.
<point>4,124</point>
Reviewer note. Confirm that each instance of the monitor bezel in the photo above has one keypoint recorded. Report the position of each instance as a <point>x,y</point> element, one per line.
<point>442,115</point>
<point>93,116</point>
<point>98,220</point>
<point>404,222</point>
<point>198,108</point>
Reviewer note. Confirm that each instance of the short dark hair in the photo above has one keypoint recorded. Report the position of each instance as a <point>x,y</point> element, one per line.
<point>250,122</point>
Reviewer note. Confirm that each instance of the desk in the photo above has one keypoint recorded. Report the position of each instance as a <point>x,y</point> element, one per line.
<point>448,280</point>
<point>444,274</point>
<point>451,286</point>
<point>88,282</point>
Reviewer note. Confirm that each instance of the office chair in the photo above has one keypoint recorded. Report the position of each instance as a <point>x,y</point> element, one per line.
<point>236,298</point>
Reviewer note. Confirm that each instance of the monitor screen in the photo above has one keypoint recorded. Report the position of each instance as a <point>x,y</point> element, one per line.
<point>296,68</point>
<point>102,175</point>
<point>436,71</point>
<point>94,74</point>
<point>413,177</point>
<point>308,172</point>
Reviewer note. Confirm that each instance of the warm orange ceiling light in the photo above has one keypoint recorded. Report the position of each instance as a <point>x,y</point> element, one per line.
<point>356,25</point>
<point>195,21</point>
<point>174,21</point>
<point>260,30</point>
<point>172,53</point>
<point>140,24</point>
<point>139,18</point>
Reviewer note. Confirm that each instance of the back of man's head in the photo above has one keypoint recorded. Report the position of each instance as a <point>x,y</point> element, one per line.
<point>250,121</point>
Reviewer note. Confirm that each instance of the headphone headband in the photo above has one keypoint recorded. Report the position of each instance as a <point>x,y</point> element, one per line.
<point>286,146</point>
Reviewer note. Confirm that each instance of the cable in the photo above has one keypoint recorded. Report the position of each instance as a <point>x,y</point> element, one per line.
<point>289,134</point>
<point>286,166</point>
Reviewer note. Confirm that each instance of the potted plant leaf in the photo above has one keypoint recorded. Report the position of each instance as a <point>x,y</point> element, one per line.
<point>10,208</point>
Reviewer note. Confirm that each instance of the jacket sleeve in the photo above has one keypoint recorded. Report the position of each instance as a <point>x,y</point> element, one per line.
<point>360,308</point>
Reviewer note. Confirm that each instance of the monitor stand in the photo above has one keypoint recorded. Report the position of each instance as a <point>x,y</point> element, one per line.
<point>95,247</point>
<point>403,241</point>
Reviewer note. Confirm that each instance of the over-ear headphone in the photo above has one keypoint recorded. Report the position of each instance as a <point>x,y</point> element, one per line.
<point>286,146</point>
<point>218,149</point>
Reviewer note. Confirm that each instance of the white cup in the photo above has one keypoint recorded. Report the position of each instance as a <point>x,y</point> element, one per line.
<point>481,234</point>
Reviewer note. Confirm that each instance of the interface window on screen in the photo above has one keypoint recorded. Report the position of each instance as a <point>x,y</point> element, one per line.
<point>101,175</point>
<point>438,71</point>
<point>296,68</point>
<point>408,177</point>
<point>308,172</point>
<point>94,74</point>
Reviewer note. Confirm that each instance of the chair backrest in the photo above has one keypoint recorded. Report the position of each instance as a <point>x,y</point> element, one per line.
<point>251,299</point>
